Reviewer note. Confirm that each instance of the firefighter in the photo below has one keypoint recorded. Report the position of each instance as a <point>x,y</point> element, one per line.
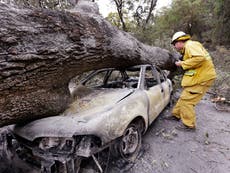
<point>199,75</point>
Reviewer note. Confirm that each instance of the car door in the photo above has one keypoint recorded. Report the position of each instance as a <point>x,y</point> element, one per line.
<point>155,92</point>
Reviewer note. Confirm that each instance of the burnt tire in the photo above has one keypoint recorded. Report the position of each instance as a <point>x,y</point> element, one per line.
<point>128,145</point>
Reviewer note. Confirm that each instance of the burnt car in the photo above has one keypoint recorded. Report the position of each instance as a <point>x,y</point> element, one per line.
<point>113,108</point>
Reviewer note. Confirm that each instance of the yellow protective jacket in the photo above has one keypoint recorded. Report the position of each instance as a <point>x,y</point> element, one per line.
<point>197,64</point>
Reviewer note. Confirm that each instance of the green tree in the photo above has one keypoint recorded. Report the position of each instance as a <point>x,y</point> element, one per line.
<point>140,12</point>
<point>114,19</point>
<point>186,15</point>
<point>221,24</point>
<point>207,21</point>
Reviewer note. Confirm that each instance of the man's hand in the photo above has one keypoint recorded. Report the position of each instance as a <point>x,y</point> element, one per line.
<point>178,63</point>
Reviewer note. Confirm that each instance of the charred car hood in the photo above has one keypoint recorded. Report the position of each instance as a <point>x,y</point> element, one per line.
<point>80,118</point>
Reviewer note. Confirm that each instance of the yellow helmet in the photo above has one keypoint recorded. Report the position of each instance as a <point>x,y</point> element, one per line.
<point>180,35</point>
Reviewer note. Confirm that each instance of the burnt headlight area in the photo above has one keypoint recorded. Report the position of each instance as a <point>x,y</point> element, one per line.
<point>57,145</point>
<point>24,149</point>
<point>88,146</point>
<point>80,145</point>
<point>57,149</point>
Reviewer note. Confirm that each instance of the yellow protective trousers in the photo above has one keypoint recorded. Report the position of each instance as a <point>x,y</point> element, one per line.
<point>190,96</point>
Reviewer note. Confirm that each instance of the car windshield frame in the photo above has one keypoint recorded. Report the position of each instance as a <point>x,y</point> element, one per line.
<point>133,77</point>
<point>108,71</point>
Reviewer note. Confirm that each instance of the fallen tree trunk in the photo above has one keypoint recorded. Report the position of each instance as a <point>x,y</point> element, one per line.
<point>41,50</point>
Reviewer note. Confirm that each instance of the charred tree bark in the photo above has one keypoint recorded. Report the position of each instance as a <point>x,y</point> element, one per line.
<point>41,50</point>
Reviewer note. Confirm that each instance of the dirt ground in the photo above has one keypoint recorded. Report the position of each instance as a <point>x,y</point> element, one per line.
<point>207,150</point>
<point>167,150</point>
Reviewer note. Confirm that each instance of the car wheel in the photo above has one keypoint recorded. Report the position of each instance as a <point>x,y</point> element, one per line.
<point>128,146</point>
